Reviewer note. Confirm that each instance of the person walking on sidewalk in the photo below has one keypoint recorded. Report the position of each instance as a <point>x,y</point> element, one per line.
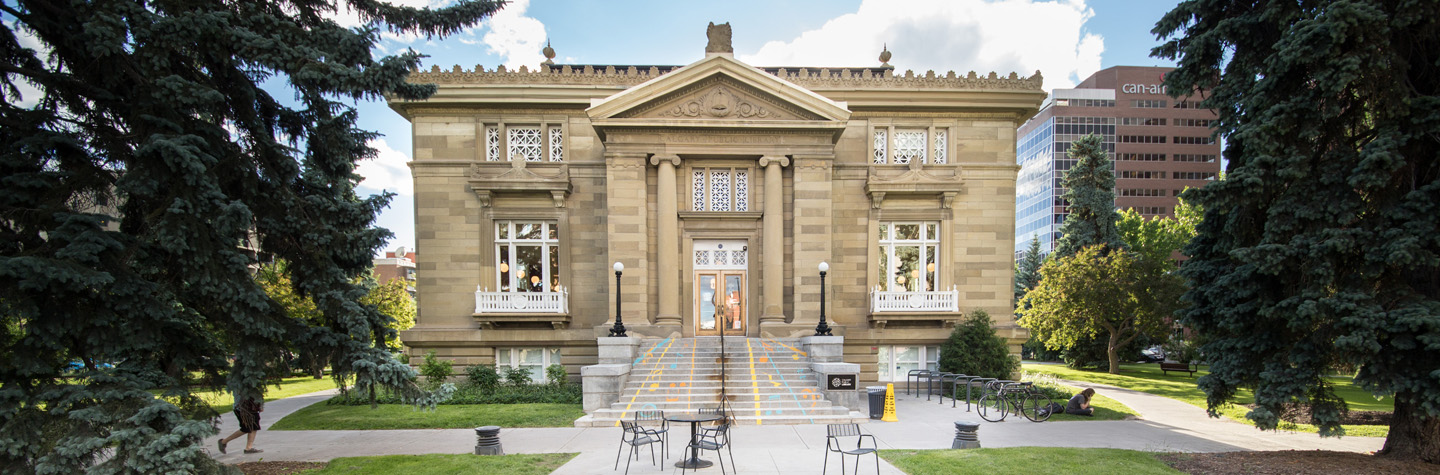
<point>1080,404</point>
<point>248,413</point>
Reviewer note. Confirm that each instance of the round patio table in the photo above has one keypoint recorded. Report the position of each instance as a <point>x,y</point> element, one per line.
<point>694,462</point>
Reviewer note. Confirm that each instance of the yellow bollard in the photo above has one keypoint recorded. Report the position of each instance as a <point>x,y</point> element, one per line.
<point>889,404</point>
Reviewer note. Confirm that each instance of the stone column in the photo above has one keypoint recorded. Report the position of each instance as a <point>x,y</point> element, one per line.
<point>667,256</point>
<point>772,275</point>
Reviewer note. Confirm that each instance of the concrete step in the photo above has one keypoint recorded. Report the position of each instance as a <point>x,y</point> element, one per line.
<point>771,400</point>
<point>623,412</point>
<point>729,383</point>
<point>679,428</point>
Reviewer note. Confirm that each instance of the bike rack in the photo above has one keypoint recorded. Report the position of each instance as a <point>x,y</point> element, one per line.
<point>930,384</point>
<point>917,373</point>
<point>970,384</point>
<point>953,377</point>
<point>955,390</point>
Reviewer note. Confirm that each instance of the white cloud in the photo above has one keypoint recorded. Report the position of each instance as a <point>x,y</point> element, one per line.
<point>387,171</point>
<point>514,36</point>
<point>509,34</point>
<point>942,35</point>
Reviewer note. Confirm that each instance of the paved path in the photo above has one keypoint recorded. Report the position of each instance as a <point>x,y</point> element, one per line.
<point>1164,425</point>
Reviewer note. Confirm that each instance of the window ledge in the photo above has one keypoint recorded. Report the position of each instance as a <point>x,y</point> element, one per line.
<point>878,320</point>
<point>492,321</point>
<point>724,215</point>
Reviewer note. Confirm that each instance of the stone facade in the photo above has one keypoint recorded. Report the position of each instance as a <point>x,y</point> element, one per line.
<point>668,169</point>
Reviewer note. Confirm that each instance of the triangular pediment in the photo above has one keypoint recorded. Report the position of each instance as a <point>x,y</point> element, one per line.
<point>719,97</point>
<point>718,89</point>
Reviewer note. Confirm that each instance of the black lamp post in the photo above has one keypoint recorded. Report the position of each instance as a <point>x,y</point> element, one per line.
<point>619,328</point>
<point>822,329</point>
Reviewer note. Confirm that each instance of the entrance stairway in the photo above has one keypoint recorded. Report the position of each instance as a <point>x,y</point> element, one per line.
<point>767,381</point>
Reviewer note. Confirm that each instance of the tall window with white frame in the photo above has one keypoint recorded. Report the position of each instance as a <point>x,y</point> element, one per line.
<point>527,256</point>
<point>909,252</point>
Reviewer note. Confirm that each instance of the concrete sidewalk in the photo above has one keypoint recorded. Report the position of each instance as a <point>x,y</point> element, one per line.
<point>1164,425</point>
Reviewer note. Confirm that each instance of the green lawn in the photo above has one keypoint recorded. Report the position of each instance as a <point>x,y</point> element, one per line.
<point>403,416</point>
<point>1180,386</point>
<point>521,464</point>
<point>1028,460</point>
<point>222,401</point>
<point>1106,409</point>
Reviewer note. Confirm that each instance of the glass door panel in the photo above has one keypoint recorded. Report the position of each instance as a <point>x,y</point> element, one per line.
<point>719,302</point>
<point>734,304</point>
<point>705,292</point>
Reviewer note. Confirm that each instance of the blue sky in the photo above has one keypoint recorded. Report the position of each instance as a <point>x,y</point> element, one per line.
<point>1065,40</point>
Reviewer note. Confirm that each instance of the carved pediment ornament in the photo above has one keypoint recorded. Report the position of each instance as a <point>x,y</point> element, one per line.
<point>914,181</point>
<point>719,102</point>
<point>519,179</point>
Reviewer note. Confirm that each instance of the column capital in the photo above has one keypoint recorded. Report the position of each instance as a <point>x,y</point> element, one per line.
<point>658,159</point>
<point>782,160</point>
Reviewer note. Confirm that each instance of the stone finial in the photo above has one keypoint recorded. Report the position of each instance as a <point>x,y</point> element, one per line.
<point>885,57</point>
<point>549,54</point>
<point>719,36</point>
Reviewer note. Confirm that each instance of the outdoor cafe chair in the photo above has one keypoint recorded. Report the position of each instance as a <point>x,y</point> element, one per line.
<point>714,440</point>
<point>835,440</point>
<point>653,418</point>
<point>636,435</point>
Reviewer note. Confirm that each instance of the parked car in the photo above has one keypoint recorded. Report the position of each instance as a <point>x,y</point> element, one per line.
<point>1154,354</point>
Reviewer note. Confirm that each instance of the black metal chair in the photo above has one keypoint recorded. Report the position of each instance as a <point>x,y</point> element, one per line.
<point>834,443</point>
<point>714,440</point>
<point>636,435</point>
<point>718,410</point>
<point>652,418</point>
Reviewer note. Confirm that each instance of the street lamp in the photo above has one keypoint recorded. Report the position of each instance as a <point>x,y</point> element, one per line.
<point>619,328</point>
<point>822,329</point>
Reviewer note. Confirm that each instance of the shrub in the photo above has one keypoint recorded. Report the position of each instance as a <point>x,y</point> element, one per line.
<point>483,376</point>
<point>974,349</point>
<point>436,371</point>
<point>517,376</point>
<point>556,374</point>
<point>473,394</point>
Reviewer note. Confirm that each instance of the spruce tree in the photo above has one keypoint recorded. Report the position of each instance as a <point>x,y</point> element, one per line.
<point>1027,271</point>
<point>1319,249</point>
<point>1090,195</point>
<point>151,116</point>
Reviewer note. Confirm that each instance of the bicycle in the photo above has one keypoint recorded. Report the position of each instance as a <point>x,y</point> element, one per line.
<point>1004,397</point>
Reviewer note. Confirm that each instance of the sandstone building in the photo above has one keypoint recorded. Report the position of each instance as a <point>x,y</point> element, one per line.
<point>720,187</point>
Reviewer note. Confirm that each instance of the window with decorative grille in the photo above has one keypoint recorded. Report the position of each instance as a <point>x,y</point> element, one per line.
<point>720,189</point>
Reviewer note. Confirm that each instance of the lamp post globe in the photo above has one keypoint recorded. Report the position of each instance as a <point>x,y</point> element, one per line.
<point>619,328</point>
<point>822,329</point>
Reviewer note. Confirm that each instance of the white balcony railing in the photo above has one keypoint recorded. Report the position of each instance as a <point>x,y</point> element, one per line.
<point>522,302</point>
<point>938,301</point>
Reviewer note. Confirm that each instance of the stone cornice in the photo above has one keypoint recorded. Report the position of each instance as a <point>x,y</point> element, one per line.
<point>806,77</point>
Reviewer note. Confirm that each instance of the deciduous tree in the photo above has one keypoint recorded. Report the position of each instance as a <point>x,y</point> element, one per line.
<point>1320,247</point>
<point>150,113</point>
<point>1117,296</point>
<point>1160,236</point>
